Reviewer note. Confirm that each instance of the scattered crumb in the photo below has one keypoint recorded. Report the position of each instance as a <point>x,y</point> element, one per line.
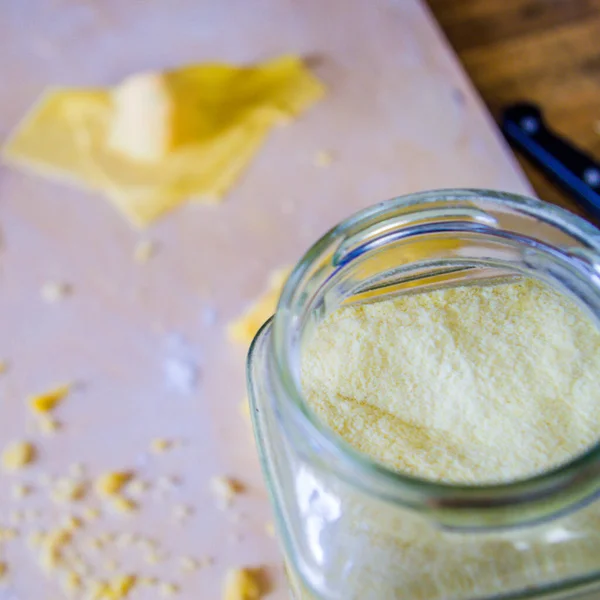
<point>168,483</point>
<point>245,409</point>
<point>15,517</point>
<point>121,586</point>
<point>153,557</point>
<point>3,366</point>
<point>159,445</point>
<point>72,523</point>
<point>124,505</point>
<point>323,158</point>
<point>48,425</point>
<point>111,565</point>
<point>72,583</point>
<point>35,539</point>
<point>144,251</point>
<point>137,487</point>
<point>182,512</point>
<point>189,564</point>
<point>54,291</point>
<point>43,403</point>
<point>110,484</point>
<point>95,543</point>
<point>91,514</point>
<point>68,490</point>
<point>20,490</point>
<point>241,584</point>
<point>270,529</point>
<point>3,571</point>
<point>168,589</point>
<point>125,539</point>
<point>224,489</point>
<point>18,455</point>
<point>8,534</point>
<point>77,470</point>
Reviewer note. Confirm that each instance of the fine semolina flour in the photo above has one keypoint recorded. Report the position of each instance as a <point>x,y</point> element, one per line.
<point>465,385</point>
<point>469,385</point>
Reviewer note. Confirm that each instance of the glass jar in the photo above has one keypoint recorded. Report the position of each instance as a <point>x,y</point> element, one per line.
<point>353,529</point>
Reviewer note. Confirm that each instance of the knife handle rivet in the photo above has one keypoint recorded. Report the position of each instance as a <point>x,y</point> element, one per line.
<point>529,124</point>
<point>592,176</point>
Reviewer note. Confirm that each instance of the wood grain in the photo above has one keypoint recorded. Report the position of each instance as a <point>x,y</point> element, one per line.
<point>539,50</point>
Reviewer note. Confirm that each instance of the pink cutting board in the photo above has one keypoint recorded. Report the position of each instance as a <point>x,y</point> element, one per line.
<point>399,116</point>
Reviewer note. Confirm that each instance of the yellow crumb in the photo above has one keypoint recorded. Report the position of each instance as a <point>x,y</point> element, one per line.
<point>77,470</point>
<point>3,571</point>
<point>110,484</point>
<point>153,557</point>
<point>270,529</point>
<point>124,505</point>
<point>244,328</point>
<point>20,490</point>
<point>224,489</point>
<point>120,586</point>
<point>73,523</point>
<point>182,511</point>
<point>53,545</point>
<point>68,490</point>
<point>35,539</point>
<point>206,561</point>
<point>71,583</point>
<point>95,543</point>
<point>111,565</point>
<point>48,425</point>
<point>43,403</point>
<point>168,589</point>
<point>15,517</point>
<point>159,445</point>
<point>8,533</point>
<point>91,514</point>
<point>18,455</point>
<point>137,487</point>
<point>245,409</point>
<point>241,584</point>
<point>323,158</point>
<point>54,291</point>
<point>3,366</point>
<point>126,539</point>
<point>188,564</point>
<point>144,251</point>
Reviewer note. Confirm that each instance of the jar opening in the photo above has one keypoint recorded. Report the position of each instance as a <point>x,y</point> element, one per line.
<point>420,243</point>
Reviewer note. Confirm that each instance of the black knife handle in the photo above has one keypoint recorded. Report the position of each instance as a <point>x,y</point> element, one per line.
<point>574,170</point>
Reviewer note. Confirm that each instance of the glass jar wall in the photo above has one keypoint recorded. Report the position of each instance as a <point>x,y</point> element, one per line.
<point>353,529</point>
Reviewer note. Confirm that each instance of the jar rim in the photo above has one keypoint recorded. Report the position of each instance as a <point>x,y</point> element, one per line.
<point>401,487</point>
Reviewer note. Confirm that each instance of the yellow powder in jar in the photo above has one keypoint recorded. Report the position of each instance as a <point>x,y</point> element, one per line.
<point>471,384</point>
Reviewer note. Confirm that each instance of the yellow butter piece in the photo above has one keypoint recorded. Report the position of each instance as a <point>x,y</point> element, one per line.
<point>67,134</point>
<point>245,327</point>
<point>47,401</point>
<point>146,123</point>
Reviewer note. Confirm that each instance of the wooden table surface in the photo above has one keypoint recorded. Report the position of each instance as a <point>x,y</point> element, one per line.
<point>547,51</point>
